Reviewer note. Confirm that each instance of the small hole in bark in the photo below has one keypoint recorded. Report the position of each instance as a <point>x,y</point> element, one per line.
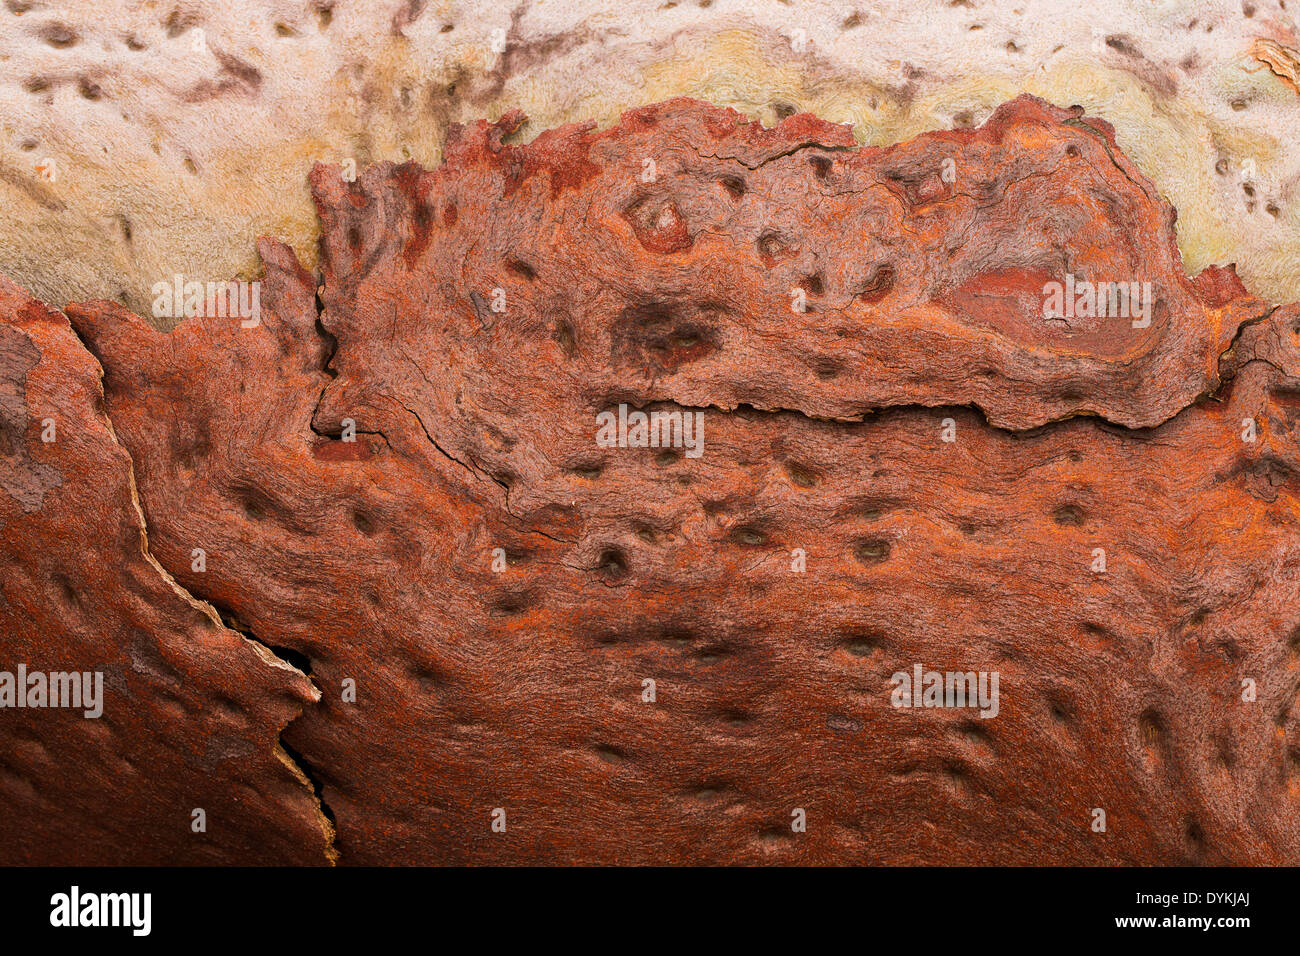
<point>870,511</point>
<point>872,550</point>
<point>748,535</point>
<point>1060,708</point>
<point>1072,150</point>
<point>676,636</point>
<point>426,676</point>
<point>59,35</point>
<point>1150,728</point>
<point>363,522</point>
<point>666,457</point>
<point>610,754</point>
<point>734,717</point>
<point>821,166</point>
<point>176,24</point>
<point>520,268</point>
<point>861,645</point>
<point>1122,44</point>
<point>66,589</point>
<point>513,602</point>
<point>734,185</point>
<point>1068,515</point>
<point>612,563</point>
<point>802,476</point>
<point>564,335</point>
<point>813,284</point>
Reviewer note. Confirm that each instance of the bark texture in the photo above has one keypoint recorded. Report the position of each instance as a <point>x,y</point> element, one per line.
<point>472,321</point>
<point>191,711</point>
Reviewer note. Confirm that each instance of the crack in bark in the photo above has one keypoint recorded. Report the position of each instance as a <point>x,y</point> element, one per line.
<point>797,148</point>
<point>294,763</point>
<point>1212,394</point>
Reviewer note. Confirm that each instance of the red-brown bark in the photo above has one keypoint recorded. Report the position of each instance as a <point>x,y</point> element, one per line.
<point>824,433</point>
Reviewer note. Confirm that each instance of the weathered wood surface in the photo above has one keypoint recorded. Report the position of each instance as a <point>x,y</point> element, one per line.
<point>917,469</point>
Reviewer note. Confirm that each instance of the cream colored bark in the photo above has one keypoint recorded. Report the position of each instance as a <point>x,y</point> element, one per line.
<point>142,140</point>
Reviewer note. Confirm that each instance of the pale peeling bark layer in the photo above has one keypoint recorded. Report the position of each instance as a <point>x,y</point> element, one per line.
<point>143,140</point>
<point>521,687</point>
